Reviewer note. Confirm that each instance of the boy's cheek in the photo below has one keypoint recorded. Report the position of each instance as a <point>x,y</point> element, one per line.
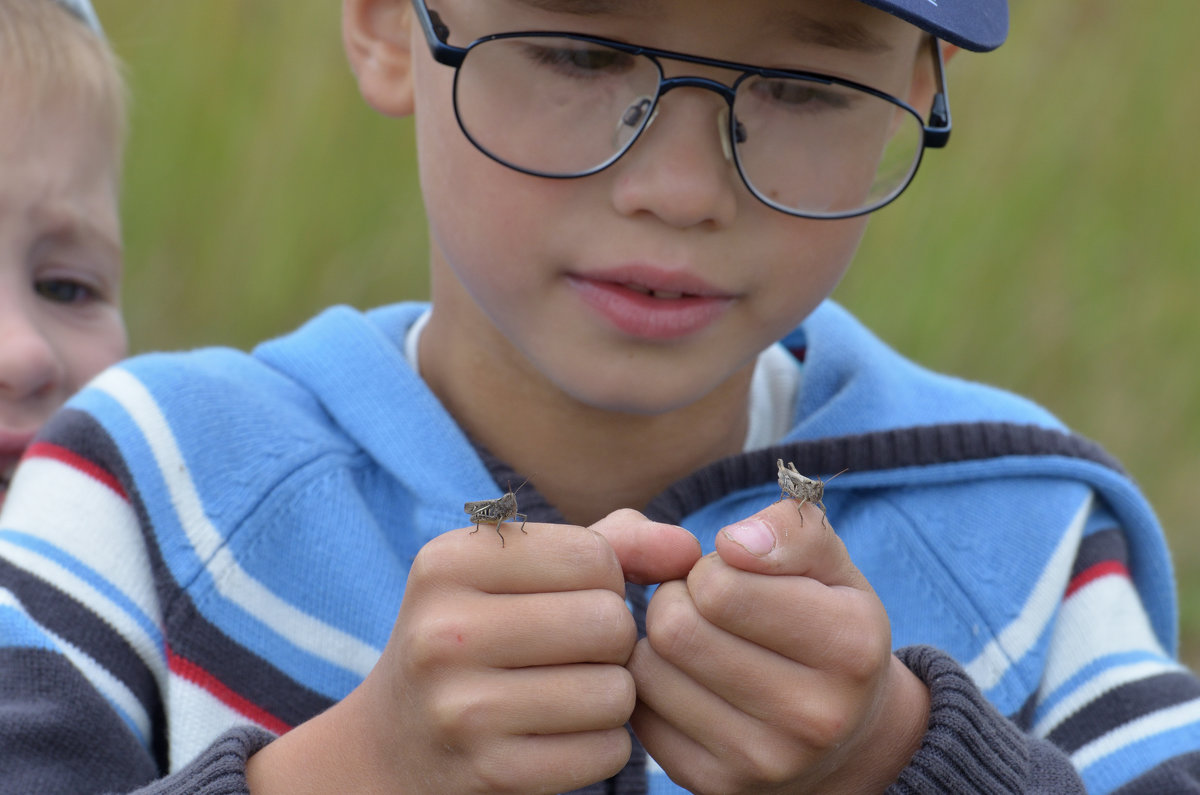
<point>104,344</point>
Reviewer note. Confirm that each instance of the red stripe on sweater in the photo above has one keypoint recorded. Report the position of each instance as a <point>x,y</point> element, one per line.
<point>193,673</point>
<point>76,462</point>
<point>1092,573</point>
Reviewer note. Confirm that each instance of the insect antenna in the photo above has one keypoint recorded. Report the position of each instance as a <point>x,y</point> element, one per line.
<point>844,471</point>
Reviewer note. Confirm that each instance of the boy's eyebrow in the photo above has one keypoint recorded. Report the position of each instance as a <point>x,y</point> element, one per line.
<point>64,227</point>
<point>586,8</point>
<point>841,35</point>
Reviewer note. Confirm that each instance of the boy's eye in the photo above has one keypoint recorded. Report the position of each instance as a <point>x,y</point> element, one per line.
<point>64,291</point>
<point>586,61</point>
<point>801,93</point>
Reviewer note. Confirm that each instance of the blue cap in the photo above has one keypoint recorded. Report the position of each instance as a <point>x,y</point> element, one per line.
<point>83,9</point>
<point>979,25</point>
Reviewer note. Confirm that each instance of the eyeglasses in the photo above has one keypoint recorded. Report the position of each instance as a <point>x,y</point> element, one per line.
<point>562,105</point>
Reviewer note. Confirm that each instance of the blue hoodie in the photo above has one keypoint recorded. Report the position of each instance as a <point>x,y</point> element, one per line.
<point>205,549</point>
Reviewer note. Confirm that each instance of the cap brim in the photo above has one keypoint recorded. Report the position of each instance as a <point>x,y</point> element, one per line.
<point>978,25</point>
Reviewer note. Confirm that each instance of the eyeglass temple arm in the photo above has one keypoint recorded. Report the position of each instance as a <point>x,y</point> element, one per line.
<point>937,131</point>
<point>436,33</point>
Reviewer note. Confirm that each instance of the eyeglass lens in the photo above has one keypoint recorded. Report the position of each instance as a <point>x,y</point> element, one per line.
<point>563,107</point>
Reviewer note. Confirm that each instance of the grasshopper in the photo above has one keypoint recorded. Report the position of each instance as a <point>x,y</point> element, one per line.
<point>793,484</point>
<point>498,511</point>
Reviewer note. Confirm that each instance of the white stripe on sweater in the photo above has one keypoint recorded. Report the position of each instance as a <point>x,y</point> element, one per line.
<point>1012,643</point>
<point>322,640</point>
<point>1164,720</point>
<point>65,508</point>
<point>1104,619</point>
<point>1095,687</point>
<point>146,648</point>
<point>200,718</point>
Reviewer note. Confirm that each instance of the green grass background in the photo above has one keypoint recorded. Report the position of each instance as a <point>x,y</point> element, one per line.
<point>1052,249</point>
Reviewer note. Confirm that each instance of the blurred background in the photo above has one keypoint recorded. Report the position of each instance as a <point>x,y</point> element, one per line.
<point>1052,249</point>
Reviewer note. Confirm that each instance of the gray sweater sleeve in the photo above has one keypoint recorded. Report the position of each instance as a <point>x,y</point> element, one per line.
<point>220,770</point>
<point>969,747</point>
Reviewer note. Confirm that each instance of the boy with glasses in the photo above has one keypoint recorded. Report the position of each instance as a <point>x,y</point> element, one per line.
<point>637,211</point>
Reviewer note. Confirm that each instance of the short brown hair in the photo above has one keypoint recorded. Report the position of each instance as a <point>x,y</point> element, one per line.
<point>49,54</point>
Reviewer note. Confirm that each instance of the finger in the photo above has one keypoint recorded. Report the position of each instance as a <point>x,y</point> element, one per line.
<point>537,729</point>
<point>681,701</point>
<point>649,552</point>
<point>687,762</point>
<point>521,630</point>
<point>534,764</point>
<point>557,699</point>
<point>702,741</point>
<point>836,628</point>
<point>730,668</point>
<point>783,540</point>
<point>742,762</point>
<point>792,678</point>
<point>546,558</point>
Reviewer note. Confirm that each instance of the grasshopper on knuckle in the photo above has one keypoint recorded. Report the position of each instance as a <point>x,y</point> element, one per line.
<point>793,484</point>
<point>496,511</point>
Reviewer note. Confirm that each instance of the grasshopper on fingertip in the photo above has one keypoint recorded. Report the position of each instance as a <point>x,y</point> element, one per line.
<point>793,484</point>
<point>498,511</point>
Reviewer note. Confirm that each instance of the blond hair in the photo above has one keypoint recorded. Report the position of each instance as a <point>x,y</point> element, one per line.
<point>49,55</point>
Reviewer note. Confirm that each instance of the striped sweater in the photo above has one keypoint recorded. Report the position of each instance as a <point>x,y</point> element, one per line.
<point>205,549</point>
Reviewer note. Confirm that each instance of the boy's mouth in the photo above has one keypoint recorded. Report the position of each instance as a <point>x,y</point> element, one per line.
<point>650,303</point>
<point>670,294</point>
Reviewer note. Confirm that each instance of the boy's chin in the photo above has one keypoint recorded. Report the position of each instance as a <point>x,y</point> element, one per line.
<point>648,396</point>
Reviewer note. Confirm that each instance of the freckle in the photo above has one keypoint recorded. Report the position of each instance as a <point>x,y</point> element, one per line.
<point>460,639</point>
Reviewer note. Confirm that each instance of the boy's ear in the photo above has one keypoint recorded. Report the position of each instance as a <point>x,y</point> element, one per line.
<point>923,84</point>
<point>949,51</point>
<point>377,38</point>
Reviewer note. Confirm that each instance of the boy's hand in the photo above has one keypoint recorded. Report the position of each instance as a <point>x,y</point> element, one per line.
<point>770,668</point>
<point>504,672</point>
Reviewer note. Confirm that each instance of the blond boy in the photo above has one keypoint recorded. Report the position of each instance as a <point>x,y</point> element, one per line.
<point>62,117</point>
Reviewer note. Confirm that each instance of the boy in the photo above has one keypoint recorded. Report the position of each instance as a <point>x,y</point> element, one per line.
<point>62,115</point>
<point>619,236</point>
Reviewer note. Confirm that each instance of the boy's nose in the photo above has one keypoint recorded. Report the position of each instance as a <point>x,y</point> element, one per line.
<point>678,169</point>
<point>29,365</point>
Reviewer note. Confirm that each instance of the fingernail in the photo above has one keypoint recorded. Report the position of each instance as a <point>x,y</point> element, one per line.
<point>752,535</point>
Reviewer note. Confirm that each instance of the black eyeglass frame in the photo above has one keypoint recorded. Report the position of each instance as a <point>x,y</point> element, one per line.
<point>936,131</point>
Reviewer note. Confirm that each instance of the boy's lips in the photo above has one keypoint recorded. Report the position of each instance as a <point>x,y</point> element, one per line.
<point>651,303</point>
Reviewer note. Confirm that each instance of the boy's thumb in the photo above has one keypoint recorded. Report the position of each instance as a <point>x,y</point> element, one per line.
<point>649,552</point>
<point>782,540</point>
